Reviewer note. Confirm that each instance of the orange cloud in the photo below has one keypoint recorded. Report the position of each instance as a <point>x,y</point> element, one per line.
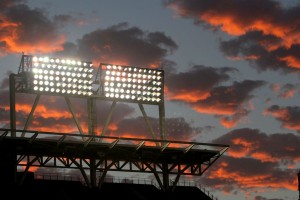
<point>233,25</point>
<point>246,181</point>
<point>264,157</point>
<point>43,111</point>
<point>58,128</point>
<point>291,61</point>
<point>229,123</point>
<point>220,109</point>
<point>11,33</point>
<point>187,96</point>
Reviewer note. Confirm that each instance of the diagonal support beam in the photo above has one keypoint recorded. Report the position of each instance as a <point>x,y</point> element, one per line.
<point>73,115</point>
<point>147,122</point>
<point>112,108</point>
<point>29,118</point>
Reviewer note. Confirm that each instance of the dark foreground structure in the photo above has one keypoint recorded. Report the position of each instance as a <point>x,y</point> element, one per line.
<point>94,160</point>
<point>92,153</point>
<point>73,190</point>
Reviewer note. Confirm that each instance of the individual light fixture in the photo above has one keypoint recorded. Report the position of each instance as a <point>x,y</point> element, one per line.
<point>132,83</point>
<point>54,75</point>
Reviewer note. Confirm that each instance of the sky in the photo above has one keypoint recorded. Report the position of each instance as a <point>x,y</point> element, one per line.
<point>231,77</point>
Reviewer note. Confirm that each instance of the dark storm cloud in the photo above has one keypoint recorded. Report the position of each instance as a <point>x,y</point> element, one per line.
<point>229,100</point>
<point>200,88</point>
<point>24,29</point>
<point>254,159</point>
<point>245,174</point>
<point>277,147</point>
<point>263,51</point>
<point>235,16</point>
<point>122,44</point>
<point>268,33</point>
<point>289,116</point>
<point>195,84</point>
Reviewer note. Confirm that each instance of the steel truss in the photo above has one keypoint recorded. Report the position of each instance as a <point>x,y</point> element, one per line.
<point>92,154</point>
<point>58,150</point>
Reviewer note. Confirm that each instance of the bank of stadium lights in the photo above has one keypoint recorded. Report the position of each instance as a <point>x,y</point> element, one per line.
<point>61,76</point>
<point>132,83</point>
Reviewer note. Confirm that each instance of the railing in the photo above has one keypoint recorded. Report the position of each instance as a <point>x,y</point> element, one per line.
<point>57,177</point>
<point>60,137</point>
<point>189,183</point>
<point>127,180</point>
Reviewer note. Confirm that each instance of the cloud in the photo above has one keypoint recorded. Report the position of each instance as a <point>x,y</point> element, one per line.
<point>201,89</point>
<point>255,159</point>
<point>264,51</point>
<point>232,101</point>
<point>195,85</point>
<point>251,143</point>
<point>237,17</point>
<point>285,91</point>
<point>35,33</point>
<point>288,91</point>
<point>121,44</point>
<point>288,116</point>
<point>267,32</point>
<point>248,174</point>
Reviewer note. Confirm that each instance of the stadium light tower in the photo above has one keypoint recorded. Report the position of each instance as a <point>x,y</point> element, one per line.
<point>57,76</point>
<point>42,75</point>
<point>134,85</point>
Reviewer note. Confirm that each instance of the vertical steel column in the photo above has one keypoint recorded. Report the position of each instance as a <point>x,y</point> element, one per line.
<point>165,176</point>
<point>161,108</point>
<point>91,115</point>
<point>91,131</point>
<point>93,178</point>
<point>12,100</point>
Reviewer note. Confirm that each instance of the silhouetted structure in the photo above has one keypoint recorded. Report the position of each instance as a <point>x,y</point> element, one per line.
<point>94,156</point>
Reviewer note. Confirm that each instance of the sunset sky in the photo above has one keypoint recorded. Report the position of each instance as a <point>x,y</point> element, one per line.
<point>231,77</point>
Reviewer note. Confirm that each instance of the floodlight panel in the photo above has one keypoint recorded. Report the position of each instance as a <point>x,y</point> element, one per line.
<point>127,83</point>
<point>61,76</point>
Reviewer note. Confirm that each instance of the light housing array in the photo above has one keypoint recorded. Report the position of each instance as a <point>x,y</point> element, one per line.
<point>127,83</point>
<point>61,76</point>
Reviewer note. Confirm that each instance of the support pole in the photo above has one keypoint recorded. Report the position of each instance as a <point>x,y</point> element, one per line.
<point>92,117</point>
<point>12,96</point>
<point>162,120</point>
<point>93,173</point>
<point>165,176</point>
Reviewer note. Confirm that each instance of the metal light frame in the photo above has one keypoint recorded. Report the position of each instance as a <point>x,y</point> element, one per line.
<point>42,75</point>
<point>133,84</point>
